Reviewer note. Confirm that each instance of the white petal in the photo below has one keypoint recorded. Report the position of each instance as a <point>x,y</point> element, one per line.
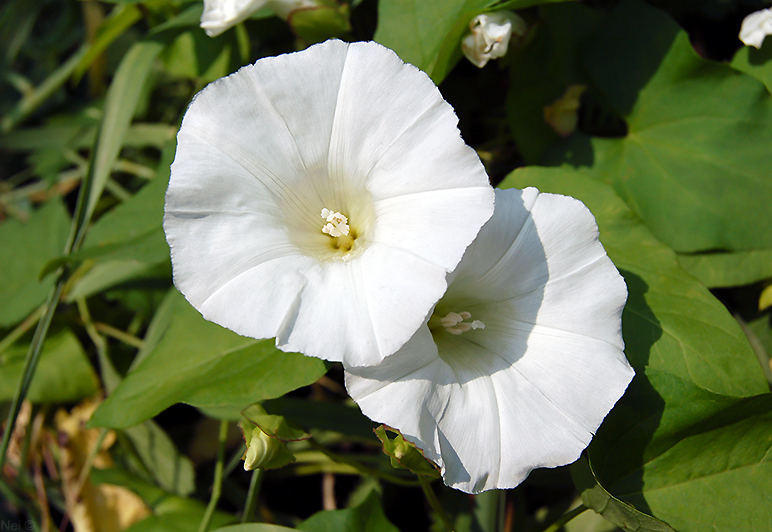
<point>530,388</point>
<point>356,310</point>
<point>756,27</point>
<point>219,15</point>
<point>264,151</point>
<point>406,391</point>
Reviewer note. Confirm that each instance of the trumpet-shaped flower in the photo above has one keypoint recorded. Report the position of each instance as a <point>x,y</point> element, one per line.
<point>489,36</point>
<point>756,27</point>
<point>321,197</point>
<point>220,15</point>
<point>520,360</point>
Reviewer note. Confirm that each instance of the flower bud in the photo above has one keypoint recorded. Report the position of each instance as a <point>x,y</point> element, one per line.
<point>756,27</point>
<point>261,449</point>
<point>490,35</point>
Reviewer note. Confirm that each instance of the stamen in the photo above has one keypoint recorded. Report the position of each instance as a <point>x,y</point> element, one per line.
<point>454,323</point>
<point>337,224</point>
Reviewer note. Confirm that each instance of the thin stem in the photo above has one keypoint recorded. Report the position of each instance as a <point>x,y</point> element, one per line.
<point>361,468</point>
<point>217,483</point>
<point>126,338</point>
<point>254,490</point>
<point>30,364</point>
<point>22,328</point>
<point>434,502</point>
<point>565,518</point>
<point>89,463</point>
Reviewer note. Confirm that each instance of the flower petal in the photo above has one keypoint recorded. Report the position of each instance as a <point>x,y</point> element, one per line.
<point>530,388</point>
<point>220,15</point>
<point>262,153</point>
<point>756,27</point>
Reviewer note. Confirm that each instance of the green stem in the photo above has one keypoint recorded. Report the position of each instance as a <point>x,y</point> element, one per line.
<point>217,483</point>
<point>565,518</point>
<point>30,364</point>
<point>434,502</point>
<point>19,331</point>
<point>31,101</point>
<point>254,490</point>
<point>363,469</point>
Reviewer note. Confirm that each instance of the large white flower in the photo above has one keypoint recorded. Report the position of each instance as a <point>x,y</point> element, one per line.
<point>756,27</point>
<point>521,359</point>
<point>220,15</point>
<point>321,197</point>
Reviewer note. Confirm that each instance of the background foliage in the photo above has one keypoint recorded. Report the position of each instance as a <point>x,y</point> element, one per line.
<point>129,421</point>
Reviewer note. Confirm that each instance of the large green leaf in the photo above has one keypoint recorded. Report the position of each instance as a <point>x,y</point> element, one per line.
<point>204,365</point>
<point>729,269</point>
<point>756,62</point>
<point>51,384</point>
<point>693,425</point>
<point>694,164</point>
<point>24,249</point>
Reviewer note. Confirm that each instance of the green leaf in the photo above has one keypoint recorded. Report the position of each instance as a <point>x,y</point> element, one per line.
<point>729,269</point>
<point>325,416</point>
<point>421,31</point>
<point>428,33</point>
<point>755,62</point>
<point>24,249</point>
<point>367,516</point>
<point>693,425</point>
<point>320,23</point>
<point>544,69</point>
<point>171,471</point>
<point>204,365</point>
<point>120,104</point>
<point>254,527</point>
<point>195,55</point>
<point>134,229</point>
<point>121,19</point>
<point>693,165</point>
<point>50,384</point>
<point>275,426</point>
<point>618,512</point>
<point>110,274</point>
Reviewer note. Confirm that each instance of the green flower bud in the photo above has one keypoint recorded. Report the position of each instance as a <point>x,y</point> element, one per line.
<point>261,449</point>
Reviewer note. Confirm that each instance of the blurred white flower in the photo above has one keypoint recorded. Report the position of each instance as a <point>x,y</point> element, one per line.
<point>521,359</point>
<point>220,15</point>
<point>755,27</point>
<point>490,35</point>
<point>321,197</point>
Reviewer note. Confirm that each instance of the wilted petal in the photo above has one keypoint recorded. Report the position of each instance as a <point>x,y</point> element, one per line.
<point>756,27</point>
<point>221,15</point>
<point>490,35</point>
<point>338,128</point>
<point>530,388</point>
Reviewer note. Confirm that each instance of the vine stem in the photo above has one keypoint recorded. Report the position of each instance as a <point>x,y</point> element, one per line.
<point>30,364</point>
<point>363,469</point>
<point>565,518</point>
<point>217,483</point>
<point>254,490</point>
<point>435,503</point>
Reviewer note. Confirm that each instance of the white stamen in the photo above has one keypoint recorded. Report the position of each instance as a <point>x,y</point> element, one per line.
<point>337,223</point>
<point>454,323</point>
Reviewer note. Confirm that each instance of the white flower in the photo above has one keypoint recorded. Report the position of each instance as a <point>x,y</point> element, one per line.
<point>321,197</point>
<point>490,34</point>
<point>536,362</point>
<point>220,15</point>
<point>755,27</point>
